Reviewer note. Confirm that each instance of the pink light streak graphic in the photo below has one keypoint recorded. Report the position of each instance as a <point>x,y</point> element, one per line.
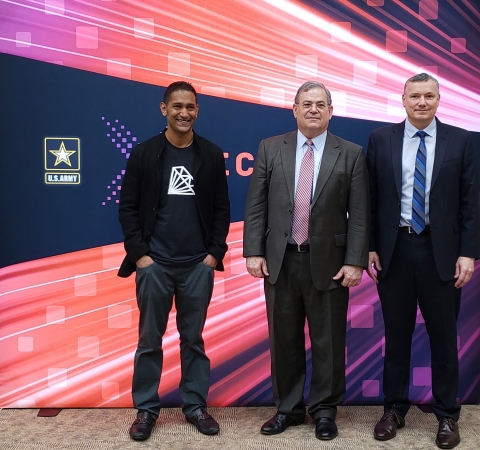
<point>93,315</point>
<point>78,299</point>
<point>255,51</point>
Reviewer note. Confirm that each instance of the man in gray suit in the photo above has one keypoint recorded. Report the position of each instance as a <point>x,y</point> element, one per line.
<point>309,278</point>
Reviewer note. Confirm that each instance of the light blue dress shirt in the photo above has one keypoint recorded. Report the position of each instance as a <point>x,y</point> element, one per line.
<point>318,146</point>
<point>409,154</point>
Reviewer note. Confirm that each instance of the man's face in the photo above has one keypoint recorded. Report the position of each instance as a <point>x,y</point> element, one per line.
<point>312,112</point>
<point>181,111</point>
<point>420,101</point>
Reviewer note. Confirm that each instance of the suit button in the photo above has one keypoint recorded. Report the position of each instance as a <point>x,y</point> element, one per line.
<point>395,228</point>
<point>289,211</point>
<point>285,234</point>
<point>398,204</point>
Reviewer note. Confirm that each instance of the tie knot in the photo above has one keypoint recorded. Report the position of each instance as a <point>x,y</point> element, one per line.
<point>421,134</point>
<point>309,144</point>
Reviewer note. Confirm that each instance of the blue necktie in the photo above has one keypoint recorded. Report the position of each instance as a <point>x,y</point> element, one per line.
<point>419,184</point>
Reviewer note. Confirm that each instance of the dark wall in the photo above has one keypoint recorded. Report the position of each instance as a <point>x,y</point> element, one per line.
<point>40,100</point>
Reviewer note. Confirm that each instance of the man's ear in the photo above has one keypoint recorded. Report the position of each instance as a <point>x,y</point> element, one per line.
<point>163,108</point>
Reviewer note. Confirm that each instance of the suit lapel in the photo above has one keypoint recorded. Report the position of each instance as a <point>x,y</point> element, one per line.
<point>396,149</point>
<point>440,151</point>
<point>329,158</point>
<point>288,152</point>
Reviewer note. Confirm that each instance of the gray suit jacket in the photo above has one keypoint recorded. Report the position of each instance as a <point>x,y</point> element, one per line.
<point>340,215</point>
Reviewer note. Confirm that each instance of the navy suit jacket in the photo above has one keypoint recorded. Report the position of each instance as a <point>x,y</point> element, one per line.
<point>454,196</point>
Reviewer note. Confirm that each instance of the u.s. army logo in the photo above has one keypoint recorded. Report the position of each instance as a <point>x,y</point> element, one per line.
<point>62,160</point>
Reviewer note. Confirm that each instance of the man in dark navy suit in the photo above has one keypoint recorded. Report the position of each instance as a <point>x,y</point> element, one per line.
<point>424,240</point>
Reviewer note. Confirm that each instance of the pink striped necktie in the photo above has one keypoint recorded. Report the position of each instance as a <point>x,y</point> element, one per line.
<point>303,196</point>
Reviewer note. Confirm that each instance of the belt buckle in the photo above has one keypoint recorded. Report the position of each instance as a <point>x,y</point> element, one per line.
<point>411,230</point>
<point>299,249</point>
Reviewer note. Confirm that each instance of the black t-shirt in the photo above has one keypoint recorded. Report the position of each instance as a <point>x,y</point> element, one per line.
<point>177,236</point>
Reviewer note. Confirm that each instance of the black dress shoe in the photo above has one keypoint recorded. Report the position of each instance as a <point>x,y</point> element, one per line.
<point>325,429</point>
<point>278,424</point>
<point>447,435</point>
<point>142,426</point>
<point>386,427</point>
<point>204,422</point>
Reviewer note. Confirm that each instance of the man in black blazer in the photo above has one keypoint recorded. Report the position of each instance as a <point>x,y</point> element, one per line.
<point>309,278</point>
<point>424,239</point>
<point>175,215</point>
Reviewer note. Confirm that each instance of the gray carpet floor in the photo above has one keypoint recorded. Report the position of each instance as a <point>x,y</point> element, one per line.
<point>107,429</point>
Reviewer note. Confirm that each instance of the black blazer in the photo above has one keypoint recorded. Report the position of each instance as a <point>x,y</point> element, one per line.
<point>140,191</point>
<point>454,197</point>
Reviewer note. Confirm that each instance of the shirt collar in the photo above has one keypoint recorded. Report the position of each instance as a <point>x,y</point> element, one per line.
<point>411,130</point>
<point>318,141</point>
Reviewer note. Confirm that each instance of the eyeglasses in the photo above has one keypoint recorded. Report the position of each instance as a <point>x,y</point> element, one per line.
<point>319,105</point>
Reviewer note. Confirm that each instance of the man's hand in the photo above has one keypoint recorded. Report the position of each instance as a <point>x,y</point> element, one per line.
<point>463,271</point>
<point>144,261</point>
<point>210,261</point>
<point>373,262</point>
<point>352,275</point>
<point>257,266</point>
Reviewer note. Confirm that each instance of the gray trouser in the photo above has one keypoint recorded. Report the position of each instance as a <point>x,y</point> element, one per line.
<point>289,301</point>
<point>192,288</point>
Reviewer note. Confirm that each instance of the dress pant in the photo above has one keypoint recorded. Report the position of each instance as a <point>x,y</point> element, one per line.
<point>192,288</point>
<point>412,278</point>
<point>292,298</point>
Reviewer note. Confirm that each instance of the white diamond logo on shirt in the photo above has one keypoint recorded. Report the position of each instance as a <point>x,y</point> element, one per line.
<point>181,182</point>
